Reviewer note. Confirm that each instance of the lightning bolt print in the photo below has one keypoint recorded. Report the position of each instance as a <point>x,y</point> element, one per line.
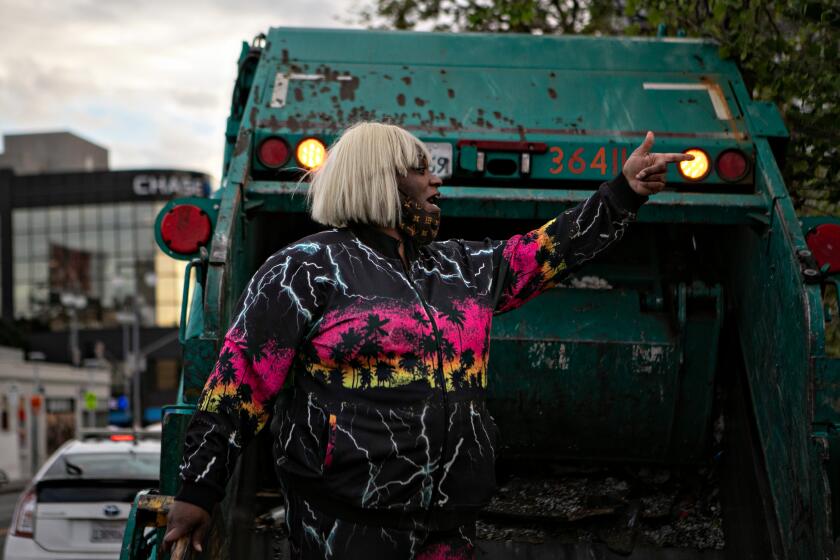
<point>372,370</point>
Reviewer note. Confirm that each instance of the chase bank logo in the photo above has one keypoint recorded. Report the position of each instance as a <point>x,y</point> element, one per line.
<point>170,185</point>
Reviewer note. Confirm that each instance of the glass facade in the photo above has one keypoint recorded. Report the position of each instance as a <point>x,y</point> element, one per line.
<point>95,260</point>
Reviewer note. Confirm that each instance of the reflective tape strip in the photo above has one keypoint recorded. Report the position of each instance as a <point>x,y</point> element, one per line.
<point>715,94</point>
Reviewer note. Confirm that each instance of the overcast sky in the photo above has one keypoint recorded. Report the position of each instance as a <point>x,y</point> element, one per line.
<point>148,79</point>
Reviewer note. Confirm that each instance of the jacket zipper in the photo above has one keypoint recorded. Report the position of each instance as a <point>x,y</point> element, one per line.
<point>441,379</point>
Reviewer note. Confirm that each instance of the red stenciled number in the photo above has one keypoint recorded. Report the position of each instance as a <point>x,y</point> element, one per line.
<point>600,161</point>
<point>576,163</point>
<point>623,157</point>
<point>557,160</point>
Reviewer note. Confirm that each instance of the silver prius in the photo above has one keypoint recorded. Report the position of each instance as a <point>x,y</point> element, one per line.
<point>77,504</point>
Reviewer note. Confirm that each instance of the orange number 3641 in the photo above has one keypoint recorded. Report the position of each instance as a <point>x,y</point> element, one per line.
<point>577,162</point>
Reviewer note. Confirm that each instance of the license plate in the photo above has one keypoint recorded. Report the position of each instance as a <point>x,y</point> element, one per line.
<point>441,164</point>
<point>107,531</point>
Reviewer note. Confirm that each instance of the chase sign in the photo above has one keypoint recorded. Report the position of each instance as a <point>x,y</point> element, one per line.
<point>167,185</point>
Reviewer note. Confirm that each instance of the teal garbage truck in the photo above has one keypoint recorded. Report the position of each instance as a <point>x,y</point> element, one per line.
<point>674,397</point>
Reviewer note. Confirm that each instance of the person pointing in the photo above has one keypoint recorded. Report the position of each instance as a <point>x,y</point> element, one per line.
<point>378,337</point>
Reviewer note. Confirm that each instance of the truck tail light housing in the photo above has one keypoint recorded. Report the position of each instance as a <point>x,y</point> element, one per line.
<point>23,524</point>
<point>273,152</point>
<point>732,165</point>
<point>310,153</point>
<point>824,243</point>
<point>696,169</point>
<point>185,228</point>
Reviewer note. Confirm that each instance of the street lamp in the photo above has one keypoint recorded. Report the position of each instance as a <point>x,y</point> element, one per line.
<point>130,320</point>
<point>74,303</point>
<point>36,397</point>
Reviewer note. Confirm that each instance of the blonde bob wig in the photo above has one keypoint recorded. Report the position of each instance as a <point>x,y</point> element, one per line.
<point>357,183</point>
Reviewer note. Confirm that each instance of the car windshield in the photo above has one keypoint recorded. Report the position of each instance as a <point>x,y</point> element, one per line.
<point>130,464</point>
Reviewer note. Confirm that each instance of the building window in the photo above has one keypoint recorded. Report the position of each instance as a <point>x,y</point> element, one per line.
<point>22,301</point>
<point>169,283</point>
<point>20,221</point>
<point>38,219</point>
<point>72,217</point>
<point>101,255</point>
<point>55,220</point>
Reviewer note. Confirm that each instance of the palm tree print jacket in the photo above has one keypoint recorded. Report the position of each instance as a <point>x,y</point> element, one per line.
<point>384,367</point>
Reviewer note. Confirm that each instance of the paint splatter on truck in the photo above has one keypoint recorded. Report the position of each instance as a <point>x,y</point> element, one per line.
<point>682,400</point>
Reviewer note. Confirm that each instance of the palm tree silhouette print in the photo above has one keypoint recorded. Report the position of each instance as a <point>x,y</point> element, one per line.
<point>384,373</point>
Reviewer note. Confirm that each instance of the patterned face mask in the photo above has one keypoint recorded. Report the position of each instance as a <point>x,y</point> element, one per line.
<point>417,222</point>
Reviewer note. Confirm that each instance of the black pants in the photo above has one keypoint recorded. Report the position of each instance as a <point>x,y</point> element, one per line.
<point>315,535</point>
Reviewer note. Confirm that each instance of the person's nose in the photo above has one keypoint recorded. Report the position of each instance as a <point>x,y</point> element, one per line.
<point>435,181</point>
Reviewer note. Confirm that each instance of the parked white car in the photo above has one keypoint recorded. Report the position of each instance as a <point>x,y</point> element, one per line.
<point>78,502</point>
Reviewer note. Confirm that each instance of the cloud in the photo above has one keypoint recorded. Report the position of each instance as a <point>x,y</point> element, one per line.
<point>150,80</point>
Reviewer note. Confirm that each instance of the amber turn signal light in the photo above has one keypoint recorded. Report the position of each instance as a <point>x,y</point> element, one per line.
<point>696,169</point>
<point>311,153</point>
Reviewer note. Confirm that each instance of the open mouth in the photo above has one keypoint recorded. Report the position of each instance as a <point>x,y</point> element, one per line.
<point>434,200</point>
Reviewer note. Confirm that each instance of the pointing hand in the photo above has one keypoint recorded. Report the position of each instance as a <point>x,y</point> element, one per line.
<point>645,171</point>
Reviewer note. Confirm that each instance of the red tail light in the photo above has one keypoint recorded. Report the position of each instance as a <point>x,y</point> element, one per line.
<point>732,165</point>
<point>185,228</point>
<point>122,437</point>
<point>24,519</point>
<point>824,242</point>
<point>273,152</point>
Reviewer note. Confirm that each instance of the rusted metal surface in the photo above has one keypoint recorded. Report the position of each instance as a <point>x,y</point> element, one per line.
<point>619,366</point>
<point>156,505</point>
<point>518,202</point>
<point>780,324</point>
<point>561,101</point>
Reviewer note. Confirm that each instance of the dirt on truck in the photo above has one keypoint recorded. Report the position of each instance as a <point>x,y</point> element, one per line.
<point>672,400</point>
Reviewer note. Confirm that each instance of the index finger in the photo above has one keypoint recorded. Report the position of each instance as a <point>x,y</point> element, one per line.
<point>674,158</point>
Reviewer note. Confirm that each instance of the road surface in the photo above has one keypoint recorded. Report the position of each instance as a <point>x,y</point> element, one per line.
<point>7,507</point>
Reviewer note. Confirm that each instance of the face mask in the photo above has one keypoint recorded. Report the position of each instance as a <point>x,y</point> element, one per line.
<point>417,222</point>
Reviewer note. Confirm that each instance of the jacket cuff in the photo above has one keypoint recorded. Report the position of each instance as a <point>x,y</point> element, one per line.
<point>199,495</point>
<point>624,195</point>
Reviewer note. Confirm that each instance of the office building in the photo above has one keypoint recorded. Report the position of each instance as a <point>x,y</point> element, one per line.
<point>79,262</point>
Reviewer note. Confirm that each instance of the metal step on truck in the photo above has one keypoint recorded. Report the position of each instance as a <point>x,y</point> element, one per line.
<point>672,400</point>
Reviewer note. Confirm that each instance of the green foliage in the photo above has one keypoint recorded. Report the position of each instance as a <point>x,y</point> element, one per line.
<point>516,16</point>
<point>788,53</point>
<point>787,50</point>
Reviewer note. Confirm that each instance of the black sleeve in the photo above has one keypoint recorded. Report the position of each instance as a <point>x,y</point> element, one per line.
<point>526,265</point>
